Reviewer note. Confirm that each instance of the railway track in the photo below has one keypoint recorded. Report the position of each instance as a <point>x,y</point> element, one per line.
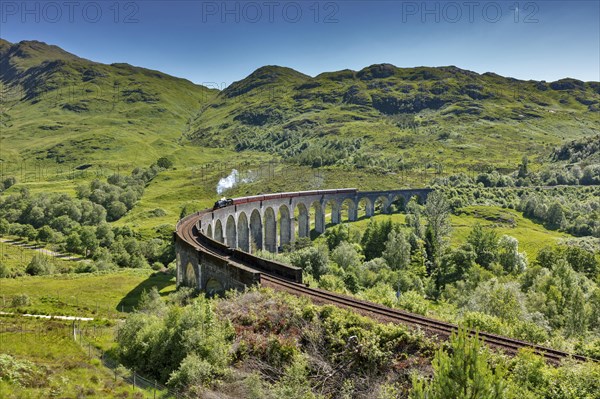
<point>188,231</point>
<point>386,314</point>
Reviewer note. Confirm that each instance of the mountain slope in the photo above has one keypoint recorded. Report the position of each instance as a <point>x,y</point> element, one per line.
<point>59,107</point>
<point>408,116</point>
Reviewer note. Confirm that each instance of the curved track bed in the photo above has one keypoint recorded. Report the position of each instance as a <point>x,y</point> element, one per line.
<point>385,314</point>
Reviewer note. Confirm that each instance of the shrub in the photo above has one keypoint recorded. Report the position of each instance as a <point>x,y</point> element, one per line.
<point>157,345</point>
<point>158,212</point>
<point>192,372</point>
<point>465,372</point>
<point>86,267</point>
<point>330,282</point>
<point>39,265</point>
<point>5,271</point>
<point>413,302</point>
<point>484,322</point>
<point>157,266</point>
<point>9,182</point>
<point>313,260</point>
<point>21,373</point>
<point>164,163</point>
<point>295,384</point>
<point>20,300</point>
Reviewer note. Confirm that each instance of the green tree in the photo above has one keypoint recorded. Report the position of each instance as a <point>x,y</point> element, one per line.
<point>555,217</point>
<point>151,303</point>
<point>582,261</point>
<point>29,232</point>
<point>397,251</point>
<point>351,283</point>
<point>485,244</point>
<point>336,235</point>
<point>116,210</point>
<point>45,234</point>
<point>437,212</point>
<point>455,265</point>
<point>73,244</point>
<point>576,318</point>
<point>524,167</point>
<point>4,227</point>
<point>509,256</point>
<point>64,224</point>
<point>375,236</point>
<point>36,216</point>
<point>413,218</point>
<point>313,260</point>
<point>105,235</point>
<point>129,198</point>
<point>345,255</point>
<point>89,242</point>
<point>464,373</point>
<point>503,300</point>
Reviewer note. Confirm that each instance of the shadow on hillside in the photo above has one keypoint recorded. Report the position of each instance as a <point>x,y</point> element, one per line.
<point>159,280</point>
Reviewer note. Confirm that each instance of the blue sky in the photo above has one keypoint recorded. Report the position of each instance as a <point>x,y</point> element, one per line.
<point>216,42</point>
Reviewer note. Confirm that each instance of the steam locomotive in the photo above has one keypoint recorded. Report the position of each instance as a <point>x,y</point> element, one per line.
<point>222,203</point>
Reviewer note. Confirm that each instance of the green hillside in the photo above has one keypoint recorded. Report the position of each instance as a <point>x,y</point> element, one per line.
<point>388,118</point>
<point>59,108</point>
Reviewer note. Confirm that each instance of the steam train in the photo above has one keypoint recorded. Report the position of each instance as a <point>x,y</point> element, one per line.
<point>223,202</point>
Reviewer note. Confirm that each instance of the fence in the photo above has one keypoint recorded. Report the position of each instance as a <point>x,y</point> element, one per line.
<point>85,338</point>
<point>85,335</point>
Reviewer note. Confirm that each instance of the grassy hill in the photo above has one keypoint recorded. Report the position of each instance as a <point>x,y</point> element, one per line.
<point>57,107</point>
<point>393,118</point>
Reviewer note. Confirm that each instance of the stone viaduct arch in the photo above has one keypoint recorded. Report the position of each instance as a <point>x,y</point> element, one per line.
<point>242,232</point>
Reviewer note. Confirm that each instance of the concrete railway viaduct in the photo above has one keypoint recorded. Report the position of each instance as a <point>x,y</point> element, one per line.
<point>215,248</point>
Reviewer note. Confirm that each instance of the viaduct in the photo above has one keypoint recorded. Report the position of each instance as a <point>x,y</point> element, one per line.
<point>216,248</point>
<point>216,251</point>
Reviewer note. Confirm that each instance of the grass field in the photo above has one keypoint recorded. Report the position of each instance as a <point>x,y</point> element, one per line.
<point>532,236</point>
<point>57,366</point>
<point>17,258</point>
<point>90,295</point>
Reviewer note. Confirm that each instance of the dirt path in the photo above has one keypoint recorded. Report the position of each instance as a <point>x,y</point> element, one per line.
<point>45,316</point>
<point>40,250</point>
